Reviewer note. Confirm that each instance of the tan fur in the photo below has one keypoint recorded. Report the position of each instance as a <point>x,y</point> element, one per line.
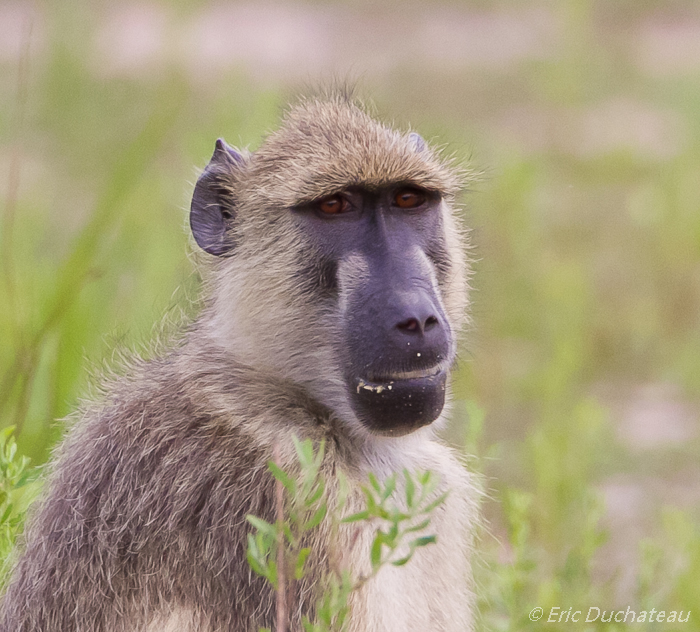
<point>143,527</point>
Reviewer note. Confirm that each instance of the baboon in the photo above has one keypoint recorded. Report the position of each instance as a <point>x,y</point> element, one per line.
<point>336,288</point>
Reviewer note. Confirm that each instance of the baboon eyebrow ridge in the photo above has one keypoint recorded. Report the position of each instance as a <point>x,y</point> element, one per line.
<point>322,148</point>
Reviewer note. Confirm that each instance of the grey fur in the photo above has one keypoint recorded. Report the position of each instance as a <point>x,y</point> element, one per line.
<point>142,526</point>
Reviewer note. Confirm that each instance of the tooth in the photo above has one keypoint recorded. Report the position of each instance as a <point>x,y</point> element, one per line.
<point>399,375</point>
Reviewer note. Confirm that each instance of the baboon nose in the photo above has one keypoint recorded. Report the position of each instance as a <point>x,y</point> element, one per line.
<point>415,325</point>
<point>418,331</point>
<point>418,317</point>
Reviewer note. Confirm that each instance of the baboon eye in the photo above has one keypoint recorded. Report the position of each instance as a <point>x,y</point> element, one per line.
<point>409,198</point>
<point>333,204</point>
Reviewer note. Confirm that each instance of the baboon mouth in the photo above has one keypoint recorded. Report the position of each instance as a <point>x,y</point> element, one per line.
<point>387,379</point>
<point>398,406</point>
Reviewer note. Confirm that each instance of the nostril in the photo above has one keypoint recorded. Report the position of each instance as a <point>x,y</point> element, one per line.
<point>430,322</point>
<point>409,325</point>
<point>417,326</point>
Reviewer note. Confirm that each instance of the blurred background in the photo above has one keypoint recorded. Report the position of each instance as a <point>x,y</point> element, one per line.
<point>578,393</point>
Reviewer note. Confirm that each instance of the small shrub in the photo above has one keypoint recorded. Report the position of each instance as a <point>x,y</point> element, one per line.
<point>275,551</point>
<point>16,493</point>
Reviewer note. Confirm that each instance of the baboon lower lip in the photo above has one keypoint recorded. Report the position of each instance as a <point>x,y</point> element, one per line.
<point>397,407</point>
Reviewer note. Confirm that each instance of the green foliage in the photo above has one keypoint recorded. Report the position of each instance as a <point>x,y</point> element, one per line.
<point>93,249</point>
<point>676,558</point>
<point>16,492</point>
<point>551,554</point>
<point>399,529</point>
<point>398,523</point>
<point>304,510</point>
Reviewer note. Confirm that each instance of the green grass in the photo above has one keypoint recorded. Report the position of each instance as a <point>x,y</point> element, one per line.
<point>586,279</point>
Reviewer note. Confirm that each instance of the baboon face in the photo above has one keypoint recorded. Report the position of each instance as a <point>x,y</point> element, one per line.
<point>354,219</point>
<point>394,342</point>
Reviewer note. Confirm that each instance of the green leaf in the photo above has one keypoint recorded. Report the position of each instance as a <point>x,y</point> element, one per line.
<point>396,516</point>
<point>308,626</point>
<point>6,514</point>
<point>286,529</point>
<point>305,451</point>
<point>376,552</point>
<point>356,517</point>
<point>375,483</point>
<point>434,504</point>
<point>372,506</point>
<point>301,560</point>
<point>392,535</point>
<point>271,574</point>
<point>316,494</point>
<point>389,487</point>
<point>255,565</point>
<point>320,453</point>
<point>403,560</point>
<point>410,488</point>
<point>316,518</point>
<point>282,477</point>
<point>425,540</point>
<point>419,527</point>
<point>262,526</point>
<point>253,555</point>
<point>252,545</point>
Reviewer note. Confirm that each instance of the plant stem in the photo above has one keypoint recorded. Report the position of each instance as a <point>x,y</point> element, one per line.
<point>281,562</point>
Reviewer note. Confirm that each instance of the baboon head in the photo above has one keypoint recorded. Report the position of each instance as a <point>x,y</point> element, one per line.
<point>339,264</point>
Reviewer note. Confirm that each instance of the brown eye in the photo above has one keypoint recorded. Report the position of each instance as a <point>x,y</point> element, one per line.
<point>409,198</point>
<point>333,205</point>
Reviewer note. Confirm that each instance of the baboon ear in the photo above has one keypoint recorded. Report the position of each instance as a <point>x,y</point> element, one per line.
<point>211,210</point>
<point>416,141</point>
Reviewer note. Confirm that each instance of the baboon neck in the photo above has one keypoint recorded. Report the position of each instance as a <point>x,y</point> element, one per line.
<point>219,375</point>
